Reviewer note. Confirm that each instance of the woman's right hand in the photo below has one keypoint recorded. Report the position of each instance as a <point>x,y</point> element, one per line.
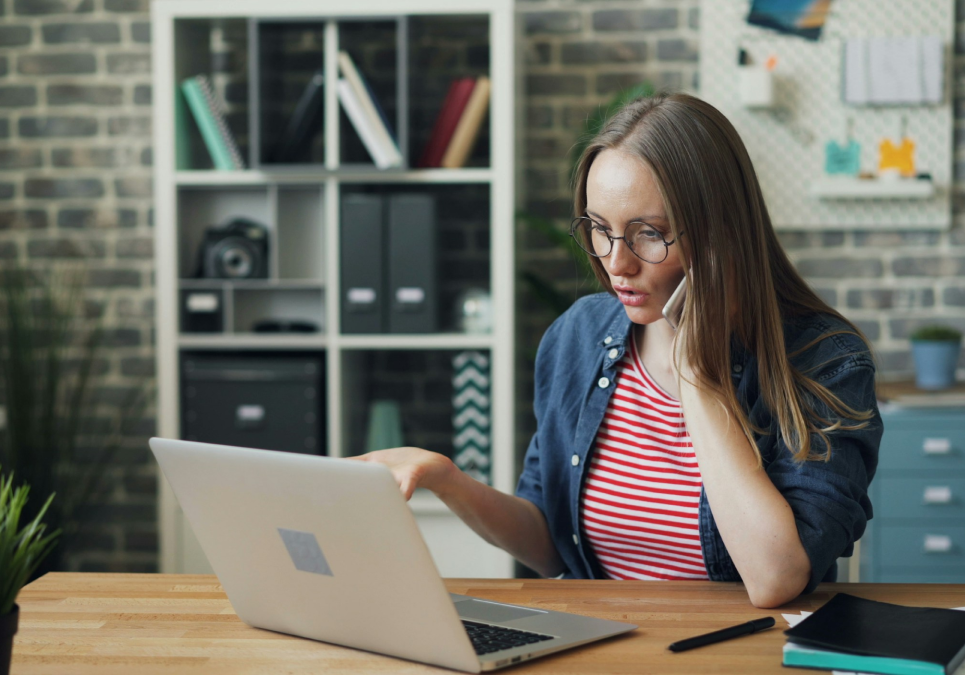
<point>414,468</point>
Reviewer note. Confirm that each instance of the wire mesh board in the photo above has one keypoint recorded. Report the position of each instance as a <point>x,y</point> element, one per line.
<point>787,139</point>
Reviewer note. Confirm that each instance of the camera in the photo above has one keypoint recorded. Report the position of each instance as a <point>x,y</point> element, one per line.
<point>237,249</point>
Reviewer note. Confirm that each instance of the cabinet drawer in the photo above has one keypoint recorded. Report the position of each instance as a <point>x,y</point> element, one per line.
<point>933,498</point>
<point>930,545</point>
<point>939,447</point>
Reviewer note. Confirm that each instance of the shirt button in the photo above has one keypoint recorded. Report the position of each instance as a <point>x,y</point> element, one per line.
<point>604,382</point>
<point>607,340</point>
<point>576,539</point>
<point>612,353</point>
<point>575,460</point>
<point>738,368</point>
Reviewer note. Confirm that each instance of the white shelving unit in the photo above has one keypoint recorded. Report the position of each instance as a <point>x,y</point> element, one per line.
<point>300,207</point>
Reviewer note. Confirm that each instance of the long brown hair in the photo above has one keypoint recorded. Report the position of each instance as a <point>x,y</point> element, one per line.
<point>731,257</point>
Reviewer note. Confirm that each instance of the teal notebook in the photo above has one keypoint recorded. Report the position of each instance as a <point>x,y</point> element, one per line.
<point>854,634</point>
<point>211,122</point>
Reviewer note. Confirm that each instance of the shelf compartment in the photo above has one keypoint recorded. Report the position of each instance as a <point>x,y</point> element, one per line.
<point>376,47</point>
<point>288,101</point>
<point>442,49</point>
<point>285,305</point>
<point>274,401</point>
<point>202,208</point>
<point>424,387</point>
<point>461,250</point>
<point>217,48</point>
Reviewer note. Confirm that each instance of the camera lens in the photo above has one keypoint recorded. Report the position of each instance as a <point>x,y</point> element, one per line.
<point>235,262</point>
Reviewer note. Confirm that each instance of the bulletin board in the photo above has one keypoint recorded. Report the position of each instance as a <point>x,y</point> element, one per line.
<point>786,141</point>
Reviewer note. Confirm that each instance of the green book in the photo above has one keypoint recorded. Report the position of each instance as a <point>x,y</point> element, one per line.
<point>211,122</point>
<point>808,657</point>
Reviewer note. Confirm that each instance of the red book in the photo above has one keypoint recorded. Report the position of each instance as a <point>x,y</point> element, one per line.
<point>452,107</point>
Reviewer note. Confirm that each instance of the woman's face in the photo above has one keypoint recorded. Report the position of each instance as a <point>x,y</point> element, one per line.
<point>621,189</point>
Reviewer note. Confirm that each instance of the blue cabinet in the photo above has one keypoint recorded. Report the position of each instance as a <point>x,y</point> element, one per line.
<point>918,494</point>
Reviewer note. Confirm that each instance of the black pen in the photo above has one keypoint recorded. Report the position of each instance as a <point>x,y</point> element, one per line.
<point>723,634</point>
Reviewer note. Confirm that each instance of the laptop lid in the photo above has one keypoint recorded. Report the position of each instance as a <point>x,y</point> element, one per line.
<point>317,547</point>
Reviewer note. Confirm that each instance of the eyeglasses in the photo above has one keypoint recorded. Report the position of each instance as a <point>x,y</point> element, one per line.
<point>642,239</point>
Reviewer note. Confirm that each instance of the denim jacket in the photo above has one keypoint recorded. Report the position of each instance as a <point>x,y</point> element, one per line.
<point>576,369</point>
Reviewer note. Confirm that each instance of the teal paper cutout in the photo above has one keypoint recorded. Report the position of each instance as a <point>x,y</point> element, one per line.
<point>840,159</point>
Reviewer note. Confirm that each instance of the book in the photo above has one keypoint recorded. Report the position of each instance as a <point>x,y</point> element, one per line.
<point>467,130</point>
<point>851,633</point>
<point>209,115</point>
<point>363,126</point>
<point>302,122</point>
<point>375,122</point>
<point>452,107</point>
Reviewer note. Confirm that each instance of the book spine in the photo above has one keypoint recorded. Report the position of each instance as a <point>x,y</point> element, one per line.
<point>218,113</point>
<point>346,95</point>
<point>467,130</point>
<point>207,125</point>
<point>452,107</point>
<point>351,73</point>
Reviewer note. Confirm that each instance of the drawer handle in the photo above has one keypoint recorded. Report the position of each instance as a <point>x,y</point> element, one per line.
<point>938,494</point>
<point>937,446</point>
<point>938,543</point>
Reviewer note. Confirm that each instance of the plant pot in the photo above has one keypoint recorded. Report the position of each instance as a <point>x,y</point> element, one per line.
<point>935,363</point>
<point>8,628</point>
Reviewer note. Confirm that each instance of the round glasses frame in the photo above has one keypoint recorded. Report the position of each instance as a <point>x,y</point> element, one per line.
<point>579,230</point>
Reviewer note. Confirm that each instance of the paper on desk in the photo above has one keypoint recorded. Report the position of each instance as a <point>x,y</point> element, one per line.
<point>795,619</point>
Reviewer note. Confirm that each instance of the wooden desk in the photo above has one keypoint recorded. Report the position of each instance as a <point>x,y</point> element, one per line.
<point>153,623</point>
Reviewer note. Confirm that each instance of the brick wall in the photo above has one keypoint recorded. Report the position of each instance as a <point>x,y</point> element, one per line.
<point>75,181</point>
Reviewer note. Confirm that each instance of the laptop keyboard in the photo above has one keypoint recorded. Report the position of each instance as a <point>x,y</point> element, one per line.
<point>487,639</point>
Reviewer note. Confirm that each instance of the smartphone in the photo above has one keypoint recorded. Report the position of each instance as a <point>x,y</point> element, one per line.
<point>675,305</point>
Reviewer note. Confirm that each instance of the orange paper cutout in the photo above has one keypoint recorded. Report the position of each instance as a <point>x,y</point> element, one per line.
<point>901,157</point>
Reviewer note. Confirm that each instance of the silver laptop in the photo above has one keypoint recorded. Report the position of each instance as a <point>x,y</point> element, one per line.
<point>328,549</point>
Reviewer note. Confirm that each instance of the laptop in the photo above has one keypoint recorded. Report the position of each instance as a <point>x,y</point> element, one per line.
<point>327,549</point>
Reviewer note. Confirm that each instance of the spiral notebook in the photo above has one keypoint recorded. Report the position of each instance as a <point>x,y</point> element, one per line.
<point>208,112</point>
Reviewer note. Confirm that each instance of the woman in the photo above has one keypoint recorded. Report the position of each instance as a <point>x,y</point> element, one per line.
<point>738,447</point>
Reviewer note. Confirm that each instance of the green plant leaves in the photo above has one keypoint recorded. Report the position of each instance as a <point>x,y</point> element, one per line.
<point>21,549</point>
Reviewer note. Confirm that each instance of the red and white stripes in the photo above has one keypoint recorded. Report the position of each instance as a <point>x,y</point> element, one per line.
<point>642,490</point>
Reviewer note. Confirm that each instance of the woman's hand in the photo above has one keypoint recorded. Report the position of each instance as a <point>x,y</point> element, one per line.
<point>413,468</point>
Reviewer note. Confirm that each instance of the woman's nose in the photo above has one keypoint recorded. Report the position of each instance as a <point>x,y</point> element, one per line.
<point>621,262</point>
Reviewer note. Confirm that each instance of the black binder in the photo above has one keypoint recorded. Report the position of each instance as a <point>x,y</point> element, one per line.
<point>361,265</point>
<point>848,630</point>
<point>411,247</point>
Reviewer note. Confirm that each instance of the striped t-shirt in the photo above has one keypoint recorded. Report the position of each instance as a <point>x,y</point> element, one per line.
<point>642,489</point>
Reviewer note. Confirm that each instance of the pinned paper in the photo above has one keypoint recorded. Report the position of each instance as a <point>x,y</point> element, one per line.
<point>842,159</point>
<point>900,158</point>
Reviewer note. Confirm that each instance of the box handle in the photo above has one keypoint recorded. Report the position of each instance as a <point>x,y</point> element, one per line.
<point>937,494</point>
<point>938,543</point>
<point>937,446</point>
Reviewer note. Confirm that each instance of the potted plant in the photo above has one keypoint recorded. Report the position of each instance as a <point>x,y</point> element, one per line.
<point>21,550</point>
<point>935,351</point>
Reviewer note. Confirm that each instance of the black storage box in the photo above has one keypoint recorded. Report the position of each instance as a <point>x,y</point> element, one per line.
<point>270,401</point>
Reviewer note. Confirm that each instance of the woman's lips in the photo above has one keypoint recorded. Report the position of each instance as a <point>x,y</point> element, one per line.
<point>630,297</point>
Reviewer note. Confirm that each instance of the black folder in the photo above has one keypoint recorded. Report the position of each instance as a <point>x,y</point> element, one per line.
<point>362,264</point>
<point>412,289</point>
<point>853,628</point>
